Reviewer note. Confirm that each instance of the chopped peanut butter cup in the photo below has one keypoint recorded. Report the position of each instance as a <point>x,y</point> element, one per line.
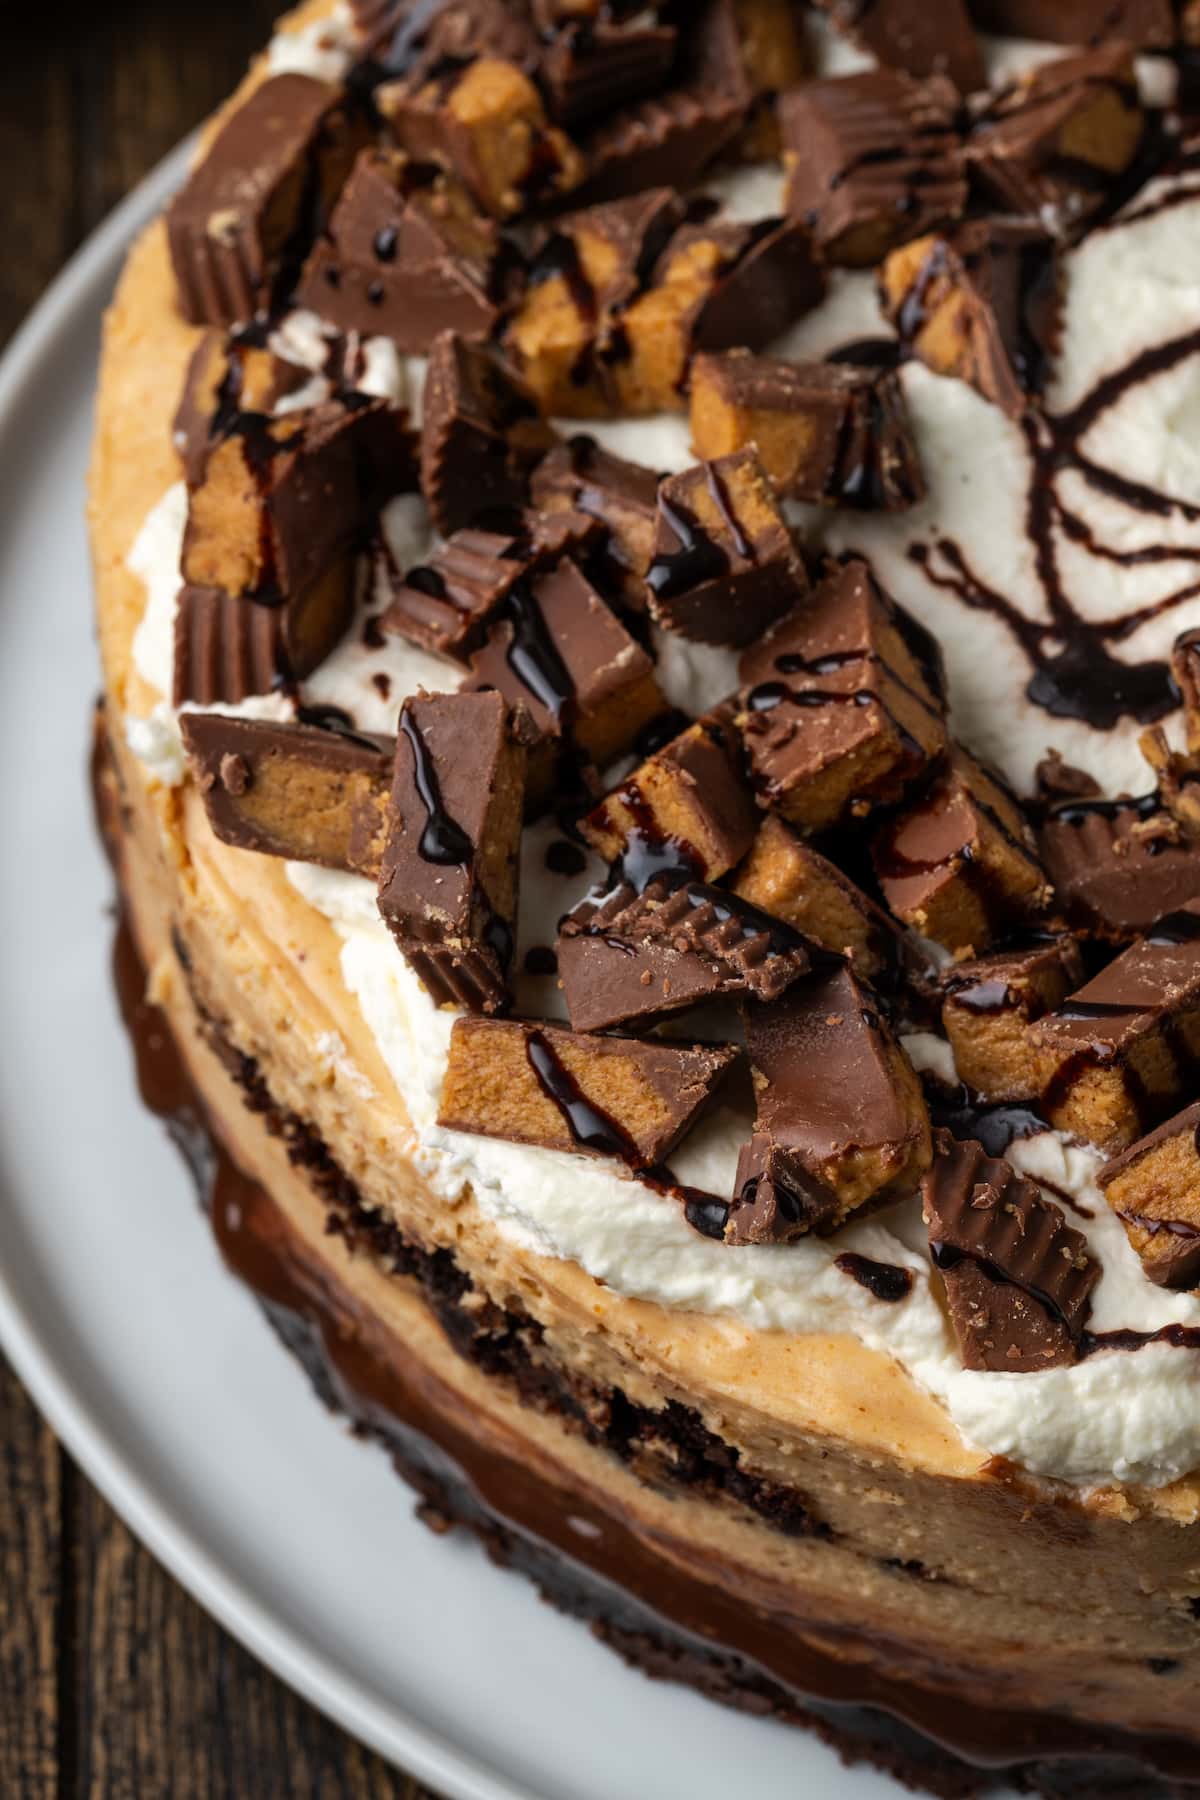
<point>560,651</point>
<point>569,337</point>
<point>590,66</point>
<point>405,256</point>
<point>278,500</point>
<point>561,1090</point>
<point>254,198</point>
<point>632,957</point>
<point>1154,1189</point>
<point>226,647</point>
<point>1118,865</point>
<point>691,795</point>
<point>733,56</point>
<point>230,374</point>
<point>831,433</point>
<point>872,159</point>
<point>840,1117</point>
<point>959,865</point>
<point>447,603</point>
<point>990,1003</point>
<point>622,294</point>
<point>725,564</point>
<point>1018,1278</point>
<point>788,879</point>
<point>448,875</point>
<point>1178,773</point>
<point>980,303</point>
<point>912,35</point>
<point>481,435</point>
<point>841,706</point>
<point>299,791</point>
<point>486,119</point>
<point>664,140</point>
<point>1126,1046</point>
<point>1049,145</point>
<point>623,498</point>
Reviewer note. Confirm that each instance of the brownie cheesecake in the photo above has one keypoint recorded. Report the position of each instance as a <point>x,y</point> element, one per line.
<point>647,579</point>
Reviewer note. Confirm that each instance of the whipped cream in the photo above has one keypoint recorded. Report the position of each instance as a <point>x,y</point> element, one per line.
<point>324,49</point>
<point>1130,288</point>
<point>1133,285</point>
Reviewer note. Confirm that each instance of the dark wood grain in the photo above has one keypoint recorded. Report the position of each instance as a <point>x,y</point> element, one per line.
<point>31,1561</point>
<point>113,1682</point>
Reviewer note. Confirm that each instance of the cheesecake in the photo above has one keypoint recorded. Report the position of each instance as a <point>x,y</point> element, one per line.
<point>645,566</point>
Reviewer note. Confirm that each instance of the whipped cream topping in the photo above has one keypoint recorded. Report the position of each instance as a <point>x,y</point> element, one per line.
<point>1130,288</point>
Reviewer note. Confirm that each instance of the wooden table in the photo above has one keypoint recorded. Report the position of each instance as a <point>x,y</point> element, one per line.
<point>112,1680</point>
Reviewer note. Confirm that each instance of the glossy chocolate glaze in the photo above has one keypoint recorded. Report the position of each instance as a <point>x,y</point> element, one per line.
<point>585,1558</point>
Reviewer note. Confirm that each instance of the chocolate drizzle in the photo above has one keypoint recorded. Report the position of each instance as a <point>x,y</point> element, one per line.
<point>513,1509</point>
<point>559,260</point>
<point>884,1281</point>
<point>442,841</point>
<point>995,1125</point>
<point>533,656</point>
<point>948,1257</point>
<point>594,1129</point>
<point>698,558</point>
<point>1075,673</point>
<point>591,1128</point>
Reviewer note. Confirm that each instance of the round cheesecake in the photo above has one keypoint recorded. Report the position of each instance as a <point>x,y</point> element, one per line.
<point>646,580</point>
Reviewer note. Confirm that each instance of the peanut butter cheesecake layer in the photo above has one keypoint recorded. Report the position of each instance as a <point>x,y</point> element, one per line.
<point>646,585</point>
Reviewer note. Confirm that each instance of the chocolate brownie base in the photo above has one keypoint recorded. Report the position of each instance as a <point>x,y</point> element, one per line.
<point>654,1614</point>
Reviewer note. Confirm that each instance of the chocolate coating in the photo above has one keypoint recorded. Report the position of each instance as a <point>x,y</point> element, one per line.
<point>1018,1278</point>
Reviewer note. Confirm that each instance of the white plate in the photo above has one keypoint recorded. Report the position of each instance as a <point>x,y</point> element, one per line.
<point>154,1367</point>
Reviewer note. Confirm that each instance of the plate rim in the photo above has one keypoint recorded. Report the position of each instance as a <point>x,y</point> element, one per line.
<point>401,1738</point>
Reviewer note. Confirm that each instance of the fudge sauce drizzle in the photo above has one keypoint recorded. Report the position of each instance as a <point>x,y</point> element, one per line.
<point>594,1129</point>
<point>589,1125</point>
<point>698,558</point>
<point>946,1257</point>
<point>442,840</point>
<point>884,1281</point>
<point>1075,675</point>
<point>533,656</point>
